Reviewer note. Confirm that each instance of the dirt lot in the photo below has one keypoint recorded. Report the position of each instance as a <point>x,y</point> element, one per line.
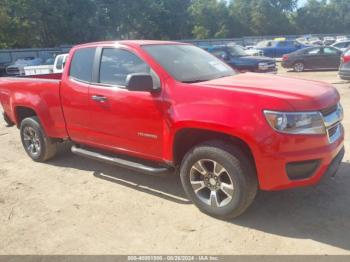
<point>72,205</point>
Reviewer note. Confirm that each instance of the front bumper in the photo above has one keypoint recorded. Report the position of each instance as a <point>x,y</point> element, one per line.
<point>285,161</point>
<point>272,170</point>
<point>268,71</point>
<point>333,167</point>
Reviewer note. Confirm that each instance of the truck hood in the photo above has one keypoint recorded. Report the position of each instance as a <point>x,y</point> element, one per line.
<point>301,94</point>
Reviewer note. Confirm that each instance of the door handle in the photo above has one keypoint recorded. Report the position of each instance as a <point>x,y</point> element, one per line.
<point>100,99</point>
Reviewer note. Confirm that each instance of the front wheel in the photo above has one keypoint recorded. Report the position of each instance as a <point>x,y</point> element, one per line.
<point>37,145</point>
<point>219,179</point>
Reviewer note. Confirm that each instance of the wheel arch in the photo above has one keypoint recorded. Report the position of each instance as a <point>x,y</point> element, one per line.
<point>22,112</point>
<point>187,138</point>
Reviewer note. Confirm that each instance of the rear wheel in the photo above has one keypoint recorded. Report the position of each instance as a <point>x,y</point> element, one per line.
<point>36,144</point>
<point>299,67</point>
<point>219,179</point>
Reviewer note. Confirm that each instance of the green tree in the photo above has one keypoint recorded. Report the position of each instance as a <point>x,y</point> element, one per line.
<point>263,17</point>
<point>210,19</point>
<point>316,17</point>
<point>152,19</point>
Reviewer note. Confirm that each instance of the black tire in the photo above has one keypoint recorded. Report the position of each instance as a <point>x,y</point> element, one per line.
<point>46,147</point>
<point>240,170</point>
<point>298,66</point>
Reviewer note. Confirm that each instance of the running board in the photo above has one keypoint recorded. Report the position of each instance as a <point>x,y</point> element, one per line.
<point>149,170</point>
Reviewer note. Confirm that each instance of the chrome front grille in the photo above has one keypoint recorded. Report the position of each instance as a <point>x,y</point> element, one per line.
<point>332,118</point>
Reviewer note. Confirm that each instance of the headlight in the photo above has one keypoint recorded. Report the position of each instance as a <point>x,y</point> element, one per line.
<point>296,123</point>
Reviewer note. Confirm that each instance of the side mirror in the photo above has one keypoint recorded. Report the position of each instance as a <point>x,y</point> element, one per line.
<point>140,82</point>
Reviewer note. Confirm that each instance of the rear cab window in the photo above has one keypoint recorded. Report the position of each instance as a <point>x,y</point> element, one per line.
<point>82,64</point>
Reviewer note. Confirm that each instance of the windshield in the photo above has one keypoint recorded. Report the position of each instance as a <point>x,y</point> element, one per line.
<point>187,63</point>
<point>236,51</point>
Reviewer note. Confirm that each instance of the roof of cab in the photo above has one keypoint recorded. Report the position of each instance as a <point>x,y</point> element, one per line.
<point>134,43</point>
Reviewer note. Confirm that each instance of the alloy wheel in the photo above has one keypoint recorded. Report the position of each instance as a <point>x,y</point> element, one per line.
<point>211,183</point>
<point>31,141</point>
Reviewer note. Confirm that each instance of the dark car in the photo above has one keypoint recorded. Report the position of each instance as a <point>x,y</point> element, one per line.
<point>344,71</point>
<point>323,57</point>
<point>237,58</point>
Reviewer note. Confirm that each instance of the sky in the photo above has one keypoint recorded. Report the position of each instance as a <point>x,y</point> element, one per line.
<point>301,2</point>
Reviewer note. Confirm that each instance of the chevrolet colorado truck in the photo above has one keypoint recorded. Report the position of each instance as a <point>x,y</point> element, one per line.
<point>161,107</point>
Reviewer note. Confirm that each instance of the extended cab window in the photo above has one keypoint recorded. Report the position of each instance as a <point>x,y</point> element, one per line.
<point>81,65</point>
<point>117,64</point>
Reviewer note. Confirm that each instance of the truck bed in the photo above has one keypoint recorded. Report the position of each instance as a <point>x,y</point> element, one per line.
<point>39,93</point>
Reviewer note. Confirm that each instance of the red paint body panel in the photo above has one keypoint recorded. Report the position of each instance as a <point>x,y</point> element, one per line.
<point>232,105</point>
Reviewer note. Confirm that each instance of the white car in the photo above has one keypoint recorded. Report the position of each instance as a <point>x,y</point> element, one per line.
<point>342,45</point>
<point>251,51</point>
<point>341,38</point>
<point>59,64</point>
<point>328,40</point>
<point>42,69</point>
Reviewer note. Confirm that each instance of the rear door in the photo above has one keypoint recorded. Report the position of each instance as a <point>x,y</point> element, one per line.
<point>124,120</point>
<point>331,57</point>
<point>74,93</point>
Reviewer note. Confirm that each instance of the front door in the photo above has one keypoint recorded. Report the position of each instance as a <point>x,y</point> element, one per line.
<point>313,58</point>
<point>124,120</point>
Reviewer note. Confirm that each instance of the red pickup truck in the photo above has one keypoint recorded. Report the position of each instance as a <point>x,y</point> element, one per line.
<point>161,107</point>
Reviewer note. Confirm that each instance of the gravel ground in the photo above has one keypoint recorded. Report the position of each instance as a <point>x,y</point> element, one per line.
<point>72,205</point>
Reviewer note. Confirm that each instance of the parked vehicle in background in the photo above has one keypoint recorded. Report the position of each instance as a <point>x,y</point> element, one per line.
<point>279,48</point>
<point>316,43</point>
<point>325,57</point>
<point>343,45</point>
<point>42,69</point>
<point>341,38</point>
<point>236,57</point>
<point>329,40</point>
<point>38,70</point>
<point>252,51</point>
<point>50,66</point>
<point>59,64</point>
<point>344,70</point>
<point>3,67</point>
<point>17,69</point>
<point>156,107</point>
